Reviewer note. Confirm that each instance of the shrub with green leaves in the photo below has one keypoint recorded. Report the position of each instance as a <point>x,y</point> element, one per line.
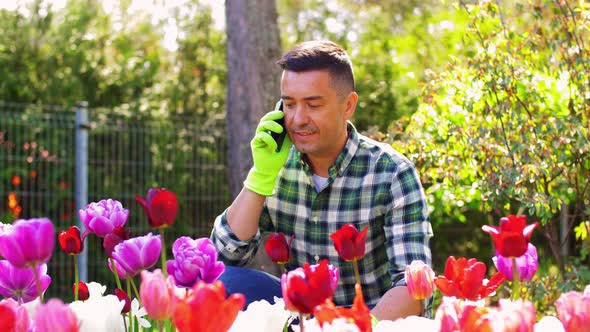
<point>508,127</point>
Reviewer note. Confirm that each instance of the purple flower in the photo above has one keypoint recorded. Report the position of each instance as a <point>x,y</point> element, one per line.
<point>19,284</point>
<point>102,217</point>
<point>121,273</point>
<point>194,260</point>
<point>527,264</point>
<point>138,253</point>
<point>29,242</point>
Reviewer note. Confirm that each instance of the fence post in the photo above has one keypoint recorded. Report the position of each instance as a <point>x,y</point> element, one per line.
<point>82,128</point>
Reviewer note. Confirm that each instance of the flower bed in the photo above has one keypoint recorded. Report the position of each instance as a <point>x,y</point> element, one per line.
<point>183,293</point>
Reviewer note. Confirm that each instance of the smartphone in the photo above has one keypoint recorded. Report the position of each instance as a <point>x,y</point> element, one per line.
<point>279,138</point>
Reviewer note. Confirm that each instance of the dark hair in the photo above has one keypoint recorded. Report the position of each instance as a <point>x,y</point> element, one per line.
<point>321,55</point>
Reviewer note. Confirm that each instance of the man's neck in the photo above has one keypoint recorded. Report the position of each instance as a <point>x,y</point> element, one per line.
<point>320,164</point>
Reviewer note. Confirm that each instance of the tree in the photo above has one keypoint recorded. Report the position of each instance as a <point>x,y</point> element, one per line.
<point>253,45</point>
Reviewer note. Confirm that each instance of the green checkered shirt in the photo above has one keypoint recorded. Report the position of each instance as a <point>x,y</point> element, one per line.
<point>370,184</point>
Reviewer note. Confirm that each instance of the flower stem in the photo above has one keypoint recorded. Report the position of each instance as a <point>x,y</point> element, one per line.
<point>38,283</point>
<point>76,281</point>
<point>134,289</point>
<point>160,326</point>
<point>515,281</point>
<point>163,253</point>
<point>282,267</point>
<point>115,273</point>
<point>356,271</point>
<point>125,324</point>
<point>301,322</point>
<point>131,320</point>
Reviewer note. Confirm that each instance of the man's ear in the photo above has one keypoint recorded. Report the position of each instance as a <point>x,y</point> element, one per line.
<point>350,103</point>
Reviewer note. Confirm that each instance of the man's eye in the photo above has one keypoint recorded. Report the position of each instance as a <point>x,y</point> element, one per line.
<point>314,106</point>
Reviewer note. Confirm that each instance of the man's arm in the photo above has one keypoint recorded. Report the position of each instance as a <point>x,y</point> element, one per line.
<point>407,232</point>
<point>397,303</point>
<point>235,231</point>
<point>244,213</point>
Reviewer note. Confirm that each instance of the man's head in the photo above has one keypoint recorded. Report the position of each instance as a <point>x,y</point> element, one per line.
<point>317,88</point>
<point>322,55</point>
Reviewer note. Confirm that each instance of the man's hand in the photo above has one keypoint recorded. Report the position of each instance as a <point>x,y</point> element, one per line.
<point>267,161</point>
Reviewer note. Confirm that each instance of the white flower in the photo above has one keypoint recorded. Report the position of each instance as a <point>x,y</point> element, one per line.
<point>262,316</point>
<point>99,313</point>
<point>138,313</point>
<point>337,325</point>
<point>410,324</point>
<point>549,324</point>
<point>95,290</point>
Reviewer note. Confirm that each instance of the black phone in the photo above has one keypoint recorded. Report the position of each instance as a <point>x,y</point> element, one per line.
<point>279,138</point>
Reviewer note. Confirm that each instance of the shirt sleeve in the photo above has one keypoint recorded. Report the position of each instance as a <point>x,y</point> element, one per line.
<point>232,250</point>
<point>407,227</point>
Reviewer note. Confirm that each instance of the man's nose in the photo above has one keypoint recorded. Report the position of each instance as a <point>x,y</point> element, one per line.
<point>300,116</point>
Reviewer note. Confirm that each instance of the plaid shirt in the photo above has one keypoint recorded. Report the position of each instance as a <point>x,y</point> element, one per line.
<point>370,184</point>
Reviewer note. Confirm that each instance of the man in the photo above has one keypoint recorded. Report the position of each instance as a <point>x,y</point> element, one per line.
<point>331,177</point>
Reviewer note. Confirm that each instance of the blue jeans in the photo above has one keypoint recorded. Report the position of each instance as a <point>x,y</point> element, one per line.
<point>256,285</point>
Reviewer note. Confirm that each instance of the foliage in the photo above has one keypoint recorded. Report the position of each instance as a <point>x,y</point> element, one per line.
<point>392,45</point>
<point>507,127</point>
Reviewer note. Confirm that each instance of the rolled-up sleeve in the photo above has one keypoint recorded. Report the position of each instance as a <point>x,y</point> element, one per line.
<point>407,227</point>
<point>232,250</point>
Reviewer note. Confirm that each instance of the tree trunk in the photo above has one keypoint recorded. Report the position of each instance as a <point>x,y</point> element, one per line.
<point>253,46</point>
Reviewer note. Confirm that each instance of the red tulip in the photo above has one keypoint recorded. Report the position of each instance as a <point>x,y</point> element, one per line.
<point>70,241</point>
<point>7,318</point>
<point>119,293</point>
<point>513,235</point>
<point>207,309</point>
<point>160,207</point>
<point>359,313</point>
<point>83,293</point>
<point>464,279</point>
<point>278,249</point>
<point>349,243</point>
<point>305,288</point>
<point>111,240</point>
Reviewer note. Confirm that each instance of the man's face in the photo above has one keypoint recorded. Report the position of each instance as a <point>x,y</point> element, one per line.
<point>315,115</point>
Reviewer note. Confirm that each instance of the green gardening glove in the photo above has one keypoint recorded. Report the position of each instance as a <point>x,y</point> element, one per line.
<point>267,161</point>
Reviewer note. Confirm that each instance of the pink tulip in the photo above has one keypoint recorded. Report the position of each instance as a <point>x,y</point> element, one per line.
<point>419,280</point>
<point>121,273</point>
<point>102,217</point>
<point>138,253</point>
<point>19,284</point>
<point>517,316</point>
<point>55,316</point>
<point>447,314</point>
<point>15,242</point>
<point>157,295</point>
<point>573,310</point>
<point>526,264</point>
<point>194,260</point>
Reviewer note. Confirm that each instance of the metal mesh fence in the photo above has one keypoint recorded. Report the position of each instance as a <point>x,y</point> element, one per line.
<point>127,155</point>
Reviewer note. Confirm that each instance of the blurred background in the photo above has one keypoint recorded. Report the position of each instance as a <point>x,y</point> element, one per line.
<point>490,100</point>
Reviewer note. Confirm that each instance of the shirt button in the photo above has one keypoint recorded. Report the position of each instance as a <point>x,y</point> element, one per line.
<point>315,219</point>
<point>317,258</point>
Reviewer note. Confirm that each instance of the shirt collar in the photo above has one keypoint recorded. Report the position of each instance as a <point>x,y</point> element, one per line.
<point>343,159</point>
